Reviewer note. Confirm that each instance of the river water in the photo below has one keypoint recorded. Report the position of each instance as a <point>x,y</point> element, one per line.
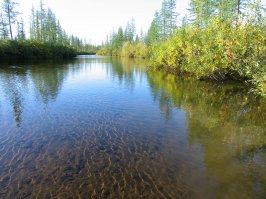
<point>102,127</point>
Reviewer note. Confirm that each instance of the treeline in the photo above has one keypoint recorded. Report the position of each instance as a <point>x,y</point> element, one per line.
<point>27,49</point>
<point>45,27</point>
<point>47,39</point>
<point>218,40</point>
<point>125,43</point>
<point>128,43</point>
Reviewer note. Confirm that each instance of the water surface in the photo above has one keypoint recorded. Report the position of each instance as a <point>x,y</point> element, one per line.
<point>102,127</point>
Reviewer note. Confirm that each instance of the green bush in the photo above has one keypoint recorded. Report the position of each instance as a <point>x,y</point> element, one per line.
<point>129,49</point>
<point>26,49</point>
<point>217,52</point>
<point>103,52</point>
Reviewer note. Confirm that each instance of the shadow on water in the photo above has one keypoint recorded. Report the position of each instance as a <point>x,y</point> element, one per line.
<point>105,127</point>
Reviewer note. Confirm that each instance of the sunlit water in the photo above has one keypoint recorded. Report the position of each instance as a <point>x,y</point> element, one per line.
<point>101,127</point>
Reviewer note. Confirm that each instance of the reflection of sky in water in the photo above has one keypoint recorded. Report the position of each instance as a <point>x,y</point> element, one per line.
<point>107,127</point>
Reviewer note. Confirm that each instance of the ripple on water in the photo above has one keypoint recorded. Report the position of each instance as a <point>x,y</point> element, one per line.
<point>98,158</point>
<point>77,131</point>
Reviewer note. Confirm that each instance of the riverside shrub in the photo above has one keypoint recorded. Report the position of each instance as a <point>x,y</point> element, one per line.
<point>217,52</point>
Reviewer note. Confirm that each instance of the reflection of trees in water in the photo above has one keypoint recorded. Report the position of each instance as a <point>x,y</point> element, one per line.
<point>229,125</point>
<point>48,77</point>
<point>160,91</point>
<point>15,83</point>
<point>126,70</point>
<point>48,80</point>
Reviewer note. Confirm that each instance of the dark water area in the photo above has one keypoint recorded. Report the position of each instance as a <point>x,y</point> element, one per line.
<point>102,127</point>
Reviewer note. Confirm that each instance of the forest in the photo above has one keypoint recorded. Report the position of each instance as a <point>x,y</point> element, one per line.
<point>219,40</point>
<point>47,39</point>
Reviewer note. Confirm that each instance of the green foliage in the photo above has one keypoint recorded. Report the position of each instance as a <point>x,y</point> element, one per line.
<point>235,52</point>
<point>141,50</point>
<point>118,39</point>
<point>130,31</point>
<point>103,52</point>
<point>137,50</point>
<point>45,27</point>
<point>23,49</point>
<point>124,43</point>
<point>8,18</point>
<point>128,50</point>
<point>224,41</point>
<point>47,38</point>
<point>154,33</point>
<point>164,23</point>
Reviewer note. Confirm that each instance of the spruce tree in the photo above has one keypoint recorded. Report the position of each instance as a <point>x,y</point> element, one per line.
<point>9,14</point>
<point>3,27</point>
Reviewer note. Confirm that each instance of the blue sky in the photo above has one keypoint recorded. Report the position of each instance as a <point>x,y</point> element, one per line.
<point>93,20</point>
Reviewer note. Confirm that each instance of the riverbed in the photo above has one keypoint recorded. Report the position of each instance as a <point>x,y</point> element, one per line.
<point>106,127</point>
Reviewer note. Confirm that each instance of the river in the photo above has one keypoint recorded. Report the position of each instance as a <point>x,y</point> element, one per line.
<point>103,127</point>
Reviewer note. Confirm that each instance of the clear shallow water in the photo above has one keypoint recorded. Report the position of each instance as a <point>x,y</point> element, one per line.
<point>101,127</point>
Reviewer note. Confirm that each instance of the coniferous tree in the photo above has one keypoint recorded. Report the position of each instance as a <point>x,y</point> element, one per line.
<point>9,14</point>
<point>51,26</point>
<point>165,15</point>
<point>155,31</point>
<point>201,11</point>
<point>256,12</point>
<point>168,18</point>
<point>118,39</point>
<point>142,35</point>
<point>184,21</point>
<point>46,28</point>
<point>164,23</point>
<point>43,21</point>
<point>3,27</point>
<point>32,24</point>
<point>20,30</point>
<point>230,10</point>
<point>130,31</point>
<point>172,21</point>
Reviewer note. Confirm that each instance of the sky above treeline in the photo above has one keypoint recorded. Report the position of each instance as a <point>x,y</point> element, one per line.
<point>93,20</point>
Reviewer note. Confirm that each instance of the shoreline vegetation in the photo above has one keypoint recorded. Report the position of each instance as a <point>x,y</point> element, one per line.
<point>219,41</point>
<point>46,40</point>
<point>30,49</point>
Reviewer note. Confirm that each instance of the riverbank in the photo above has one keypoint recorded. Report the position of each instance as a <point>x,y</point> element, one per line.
<point>233,53</point>
<point>128,49</point>
<point>30,49</point>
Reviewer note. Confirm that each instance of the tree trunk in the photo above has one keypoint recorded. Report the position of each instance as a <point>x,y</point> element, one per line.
<point>238,6</point>
<point>9,22</point>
